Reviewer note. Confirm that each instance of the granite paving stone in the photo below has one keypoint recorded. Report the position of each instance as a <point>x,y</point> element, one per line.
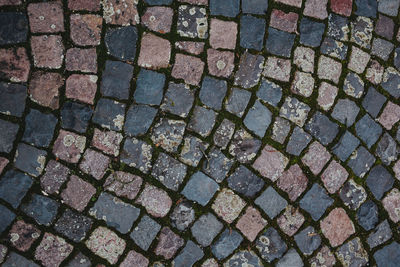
<point>139,119</point>
<point>13,187</point>
<point>106,244</point>
<point>308,240</point>
<point>367,215</point>
<point>42,209</point>
<point>178,99</point>
<point>22,235</point>
<point>169,171</point>
<point>227,242</point>
<point>200,188</point>
<point>227,132</point>
<point>121,42</point>
<point>271,202</point>
<point>249,71</point>
<point>245,182</point>
<point>109,208</point>
<point>270,245</point>
<point>52,250</point>
<point>316,201</point>
<point>291,220</point>
<point>189,255</point>
<point>381,234</point>
<point>353,253</point>
<point>206,228</point>
<point>361,161</point>
<point>74,116</point>
<point>145,232</point>
<point>116,79</point>
<point>220,63</point>
<point>13,98</point>
<point>352,194</point>
<point>8,132</point>
<point>29,159</point>
<point>73,225</point>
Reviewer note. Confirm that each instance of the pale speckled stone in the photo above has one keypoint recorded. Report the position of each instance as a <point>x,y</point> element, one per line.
<point>374,72</point>
<point>352,253</point>
<point>304,58</point>
<point>106,244</point>
<point>329,69</point>
<point>337,227</point>
<point>277,68</point>
<point>69,146</point>
<point>155,201</point>
<point>291,220</point>
<point>94,163</point>
<point>303,84</point>
<point>391,203</point>
<point>334,176</point>
<point>271,163</point>
<point>326,95</point>
<point>52,250</point>
<point>358,60</point>
<point>323,258</point>
<point>228,205</point>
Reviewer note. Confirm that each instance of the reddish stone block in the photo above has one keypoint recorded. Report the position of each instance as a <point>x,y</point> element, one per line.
<point>284,21</point>
<point>84,60</point>
<point>3,163</point>
<point>135,259</point>
<point>337,227</point>
<point>46,17</point>
<point>158,19</point>
<point>52,250</point>
<point>106,244</point>
<point>293,182</point>
<point>123,184</point>
<point>54,177</point>
<point>390,115</point>
<point>326,95</point>
<point>81,87</point>
<point>88,5</point>
<point>69,146</point>
<point>220,63</point>
<point>334,176</point>
<point>120,12</point>
<point>195,48</point>
<point>228,205</point>
<point>156,201</point>
<point>10,3</point>
<point>168,243</point>
<point>316,9</point>
<point>324,257</point>
<point>44,88</point>
<point>78,193</point>
<point>296,3</point>
<point>94,163</point>
<point>107,141</point>
<point>391,203</point>
<point>15,65</point>
<point>316,157</point>
<point>291,220</point>
<point>22,235</point>
<point>47,51</point>
<point>271,163</point>
<point>342,7</point>
<point>85,29</point>
<point>251,223</point>
<point>188,68</point>
<point>385,27</point>
<point>223,34</point>
<point>155,52</point>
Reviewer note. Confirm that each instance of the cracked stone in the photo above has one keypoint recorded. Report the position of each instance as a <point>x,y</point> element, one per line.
<point>123,184</point>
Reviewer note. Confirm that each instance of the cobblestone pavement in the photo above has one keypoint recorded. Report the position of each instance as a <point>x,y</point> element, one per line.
<point>199,133</point>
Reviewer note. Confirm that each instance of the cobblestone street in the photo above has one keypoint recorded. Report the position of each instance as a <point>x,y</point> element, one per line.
<point>206,133</point>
